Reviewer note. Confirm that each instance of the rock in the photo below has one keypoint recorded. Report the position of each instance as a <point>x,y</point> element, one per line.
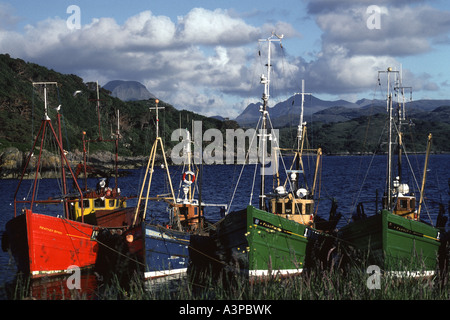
<point>11,162</point>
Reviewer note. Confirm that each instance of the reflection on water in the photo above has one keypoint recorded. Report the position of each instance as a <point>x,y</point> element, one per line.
<point>53,288</point>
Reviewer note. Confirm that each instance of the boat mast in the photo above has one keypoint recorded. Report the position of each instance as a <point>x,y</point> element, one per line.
<point>59,136</point>
<point>188,153</point>
<point>300,138</point>
<point>401,116</point>
<point>98,114</point>
<point>150,169</point>
<point>301,124</point>
<point>265,80</point>
<point>46,122</point>
<point>424,177</point>
<point>100,139</point>
<point>389,180</point>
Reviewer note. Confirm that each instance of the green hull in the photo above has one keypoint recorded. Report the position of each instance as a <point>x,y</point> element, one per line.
<point>394,243</point>
<point>259,243</point>
<point>275,244</point>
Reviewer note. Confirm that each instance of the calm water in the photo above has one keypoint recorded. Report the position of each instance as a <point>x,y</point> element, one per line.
<point>347,179</point>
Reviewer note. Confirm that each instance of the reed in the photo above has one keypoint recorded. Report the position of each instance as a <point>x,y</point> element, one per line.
<point>335,282</point>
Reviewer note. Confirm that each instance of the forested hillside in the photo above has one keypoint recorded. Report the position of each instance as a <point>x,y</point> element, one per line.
<point>368,134</point>
<point>21,111</point>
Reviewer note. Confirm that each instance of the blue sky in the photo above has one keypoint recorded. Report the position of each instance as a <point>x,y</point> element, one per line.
<point>203,55</point>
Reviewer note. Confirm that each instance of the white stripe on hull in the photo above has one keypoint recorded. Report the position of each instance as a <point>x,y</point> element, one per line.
<point>164,273</point>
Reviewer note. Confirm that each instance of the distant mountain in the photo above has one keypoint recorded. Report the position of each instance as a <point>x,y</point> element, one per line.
<point>284,112</point>
<point>128,90</point>
<point>288,112</point>
<point>250,115</point>
<point>219,118</point>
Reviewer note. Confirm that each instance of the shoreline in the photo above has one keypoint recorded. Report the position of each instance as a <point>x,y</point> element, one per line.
<point>106,166</point>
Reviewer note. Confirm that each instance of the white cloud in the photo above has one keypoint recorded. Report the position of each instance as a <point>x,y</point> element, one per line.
<point>198,61</point>
<point>403,30</point>
<point>187,63</point>
<point>351,53</point>
<point>148,30</point>
<point>201,26</point>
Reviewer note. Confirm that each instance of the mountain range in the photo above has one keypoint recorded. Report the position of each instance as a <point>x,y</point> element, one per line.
<point>287,113</point>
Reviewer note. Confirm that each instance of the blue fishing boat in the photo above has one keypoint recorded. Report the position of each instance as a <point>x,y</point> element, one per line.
<point>166,253</point>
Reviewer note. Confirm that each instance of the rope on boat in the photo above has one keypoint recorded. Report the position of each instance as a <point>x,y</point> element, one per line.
<point>242,169</point>
<point>103,244</point>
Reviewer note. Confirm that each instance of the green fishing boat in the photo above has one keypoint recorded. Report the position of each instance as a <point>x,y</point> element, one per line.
<point>259,243</point>
<point>278,237</point>
<point>395,238</point>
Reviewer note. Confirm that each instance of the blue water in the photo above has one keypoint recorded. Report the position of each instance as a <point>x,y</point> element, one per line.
<point>347,179</point>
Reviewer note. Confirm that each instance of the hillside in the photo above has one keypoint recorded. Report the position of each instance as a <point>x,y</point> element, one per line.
<point>341,128</point>
<point>21,111</point>
<point>367,134</point>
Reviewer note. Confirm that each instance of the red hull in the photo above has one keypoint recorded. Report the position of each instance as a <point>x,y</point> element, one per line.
<point>52,244</point>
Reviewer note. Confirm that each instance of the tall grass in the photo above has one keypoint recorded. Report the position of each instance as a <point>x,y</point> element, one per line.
<point>317,283</point>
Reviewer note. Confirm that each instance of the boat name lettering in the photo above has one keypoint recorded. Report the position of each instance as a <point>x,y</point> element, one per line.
<point>400,228</point>
<point>50,230</point>
<point>155,234</point>
<point>268,225</point>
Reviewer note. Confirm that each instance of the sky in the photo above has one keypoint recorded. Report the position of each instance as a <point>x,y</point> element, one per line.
<point>205,56</point>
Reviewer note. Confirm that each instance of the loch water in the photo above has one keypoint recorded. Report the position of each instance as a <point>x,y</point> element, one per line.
<point>347,179</point>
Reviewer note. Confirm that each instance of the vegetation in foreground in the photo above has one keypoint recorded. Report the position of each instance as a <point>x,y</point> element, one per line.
<point>318,284</point>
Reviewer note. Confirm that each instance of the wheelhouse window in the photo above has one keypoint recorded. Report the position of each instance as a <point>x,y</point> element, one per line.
<point>99,203</point>
<point>309,208</point>
<point>298,208</point>
<point>86,204</point>
<point>279,208</point>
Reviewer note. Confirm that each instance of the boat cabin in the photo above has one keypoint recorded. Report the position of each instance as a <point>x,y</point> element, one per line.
<point>94,204</point>
<point>188,215</point>
<point>403,204</point>
<point>406,206</point>
<point>298,210</point>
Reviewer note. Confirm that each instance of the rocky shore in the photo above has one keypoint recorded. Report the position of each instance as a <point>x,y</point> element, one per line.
<point>13,161</point>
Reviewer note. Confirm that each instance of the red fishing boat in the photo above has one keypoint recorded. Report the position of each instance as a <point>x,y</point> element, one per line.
<point>45,243</point>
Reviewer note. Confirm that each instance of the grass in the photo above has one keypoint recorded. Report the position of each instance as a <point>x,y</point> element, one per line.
<point>316,284</point>
<point>348,276</point>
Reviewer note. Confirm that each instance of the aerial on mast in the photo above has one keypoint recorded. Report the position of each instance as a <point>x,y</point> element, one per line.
<point>45,84</point>
<point>301,122</point>
<point>157,116</point>
<point>389,179</point>
<point>265,80</point>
